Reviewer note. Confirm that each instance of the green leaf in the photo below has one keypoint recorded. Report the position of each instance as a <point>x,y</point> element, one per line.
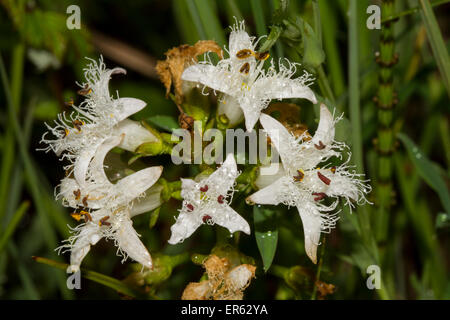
<point>427,170</point>
<point>167,123</point>
<point>102,279</point>
<point>266,233</point>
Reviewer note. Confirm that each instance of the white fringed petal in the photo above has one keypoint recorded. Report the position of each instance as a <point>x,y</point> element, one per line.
<point>89,235</point>
<point>312,227</point>
<point>150,201</point>
<point>223,178</point>
<point>135,135</point>
<point>229,106</point>
<point>128,241</point>
<point>239,39</point>
<point>268,174</point>
<point>135,184</point>
<point>82,164</point>
<point>230,219</point>
<point>275,87</point>
<point>325,130</point>
<point>210,76</point>
<point>125,107</point>
<point>280,138</point>
<point>184,227</point>
<point>270,194</point>
<point>251,114</point>
<point>97,171</point>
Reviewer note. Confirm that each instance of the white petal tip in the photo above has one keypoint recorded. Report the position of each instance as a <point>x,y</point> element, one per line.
<point>118,70</point>
<point>73,268</point>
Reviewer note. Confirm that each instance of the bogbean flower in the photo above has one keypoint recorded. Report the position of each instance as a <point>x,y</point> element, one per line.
<point>246,86</point>
<point>107,208</point>
<point>207,201</point>
<point>303,184</point>
<point>98,117</point>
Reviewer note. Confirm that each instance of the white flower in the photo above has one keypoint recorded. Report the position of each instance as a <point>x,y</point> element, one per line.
<point>303,184</point>
<point>107,208</point>
<point>97,118</point>
<point>246,85</point>
<point>207,201</point>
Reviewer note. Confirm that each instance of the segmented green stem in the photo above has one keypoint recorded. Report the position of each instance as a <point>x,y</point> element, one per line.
<point>386,99</point>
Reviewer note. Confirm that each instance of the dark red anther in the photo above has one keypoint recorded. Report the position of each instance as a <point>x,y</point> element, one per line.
<point>220,199</point>
<point>190,207</point>
<point>333,169</point>
<point>319,195</point>
<point>204,188</point>
<point>323,178</point>
<point>299,177</point>
<point>206,218</point>
<point>85,203</point>
<point>320,146</point>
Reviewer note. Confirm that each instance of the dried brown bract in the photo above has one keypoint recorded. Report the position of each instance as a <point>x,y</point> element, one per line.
<point>324,289</point>
<point>177,59</point>
<point>224,281</point>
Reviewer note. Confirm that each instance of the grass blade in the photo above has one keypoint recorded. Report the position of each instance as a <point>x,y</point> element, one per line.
<point>9,230</point>
<point>210,22</point>
<point>258,15</point>
<point>102,279</point>
<point>436,41</point>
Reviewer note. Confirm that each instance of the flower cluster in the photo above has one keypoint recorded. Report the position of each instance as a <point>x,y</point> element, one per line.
<point>84,138</point>
<point>306,180</point>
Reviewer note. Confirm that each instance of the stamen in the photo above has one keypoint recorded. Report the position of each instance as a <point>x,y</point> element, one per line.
<point>190,207</point>
<point>69,103</point>
<point>300,175</point>
<point>320,146</point>
<point>86,215</point>
<point>262,55</point>
<point>77,124</point>
<point>85,91</point>
<point>245,68</point>
<point>77,194</point>
<point>323,178</point>
<point>76,216</point>
<point>204,188</point>
<point>206,218</point>
<point>85,203</point>
<point>244,53</point>
<point>220,199</point>
<point>103,221</point>
<point>319,195</point>
<point>333,169</point>
<point>66,132</point>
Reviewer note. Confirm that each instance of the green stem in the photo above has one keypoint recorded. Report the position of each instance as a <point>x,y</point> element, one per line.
<point>325,85</point>
<point>394,17</point>
<point>385,143</point>
<point>319,269</point>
